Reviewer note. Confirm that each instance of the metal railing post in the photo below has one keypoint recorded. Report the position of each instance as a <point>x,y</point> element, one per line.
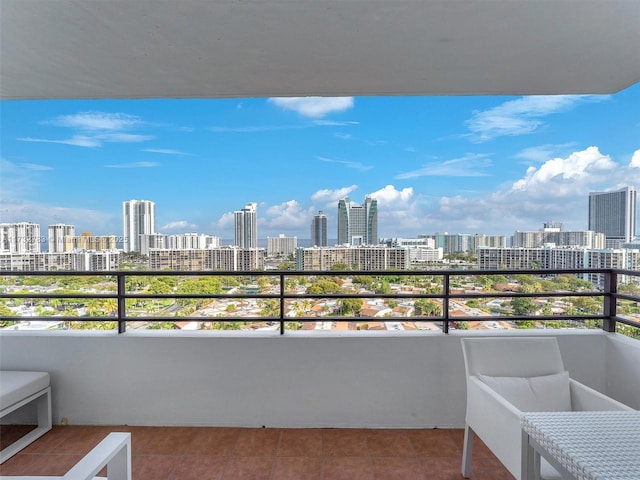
<point>282,304</point>
<point>122,322</point>
<point>445,303</point>
<point>610,303</point>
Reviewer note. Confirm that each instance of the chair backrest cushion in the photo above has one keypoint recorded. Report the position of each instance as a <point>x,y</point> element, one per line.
<point>512,357</point>
<point>545,393</point>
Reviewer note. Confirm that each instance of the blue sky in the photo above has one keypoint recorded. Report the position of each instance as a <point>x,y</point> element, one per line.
<point>457,164</point>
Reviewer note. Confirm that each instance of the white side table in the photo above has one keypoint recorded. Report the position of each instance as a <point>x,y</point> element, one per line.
<point>582,445</point>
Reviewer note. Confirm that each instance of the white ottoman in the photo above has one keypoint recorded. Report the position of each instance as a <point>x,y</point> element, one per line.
<point>16,390</point>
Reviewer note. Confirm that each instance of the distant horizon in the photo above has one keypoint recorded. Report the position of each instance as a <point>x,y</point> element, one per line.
<point>470,164</point>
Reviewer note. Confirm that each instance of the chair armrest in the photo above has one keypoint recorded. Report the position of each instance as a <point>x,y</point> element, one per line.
<point>114,452</point>
<point>496,421</point>
<point>585,398</point>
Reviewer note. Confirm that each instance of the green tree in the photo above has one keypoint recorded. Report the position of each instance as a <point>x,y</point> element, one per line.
<point>351,306</point>
<point>340,267</point>
<point>323,286</point>
<point>426,307</point>
<point>269,307</point>
<point>523,305</point>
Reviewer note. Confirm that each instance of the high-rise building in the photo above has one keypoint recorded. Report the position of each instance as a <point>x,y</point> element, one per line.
<point>57,234</point>
<point>614,214</point>
<point>319,230</point>
<point>358,224</point>
<point>138,217</point>
<point>281,246</point>
<point>246,226</point>
<point>21,237</point>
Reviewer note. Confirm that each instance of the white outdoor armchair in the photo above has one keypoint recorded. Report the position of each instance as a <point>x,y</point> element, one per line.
<point>507,376</point>
<point>113,452</point>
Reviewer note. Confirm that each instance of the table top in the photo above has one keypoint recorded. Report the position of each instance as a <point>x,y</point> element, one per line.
<point>590,445</point>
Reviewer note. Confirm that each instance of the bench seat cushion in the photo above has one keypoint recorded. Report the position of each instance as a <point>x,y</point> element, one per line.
<point>16,386</point>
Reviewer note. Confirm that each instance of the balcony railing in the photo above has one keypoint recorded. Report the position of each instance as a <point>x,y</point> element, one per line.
<point>446,299</point>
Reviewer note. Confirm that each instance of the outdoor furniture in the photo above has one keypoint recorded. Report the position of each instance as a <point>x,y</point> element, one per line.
<point>114,452</point>
<point>17,389</point>
<point>582,445</point>
<point>509,376</point>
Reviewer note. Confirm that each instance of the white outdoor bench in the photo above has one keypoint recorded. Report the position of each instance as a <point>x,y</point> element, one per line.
<point>17,389</point>
<point>113,452</point>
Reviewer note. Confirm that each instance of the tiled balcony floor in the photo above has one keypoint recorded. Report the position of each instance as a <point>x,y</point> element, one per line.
<point>263,453</point>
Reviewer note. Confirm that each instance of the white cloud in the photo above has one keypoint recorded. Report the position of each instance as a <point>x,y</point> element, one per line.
<point>164,151</point>
<point>123,138</point>
<point>327,195</point>
<point>95,129</point>
<point>256,128</point>
<point>523,115</point>
<point>93,141</point>
<point>471,165</point>
<point>134,165</point>
<point>179,225</point>
<point>635,159</point>
<point>561,176</point>
<point>314,107</point>
<point>225,221</point>
<point>388,196</point>
<point>76,140</point>
<point>557,190</point>
<point>398,211</point>
<point>346,163</point>
<point>95,221</point>
<point>36,167</point>
<point>541,153</point>
<point>289,215</point>
<point>96,121</point>
<point>343,136</point>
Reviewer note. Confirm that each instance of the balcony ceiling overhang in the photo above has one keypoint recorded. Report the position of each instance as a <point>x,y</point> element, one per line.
<point>262,48</point>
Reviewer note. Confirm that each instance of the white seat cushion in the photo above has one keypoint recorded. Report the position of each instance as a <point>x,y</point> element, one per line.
<point>545,393</point>
<point>16,386</point>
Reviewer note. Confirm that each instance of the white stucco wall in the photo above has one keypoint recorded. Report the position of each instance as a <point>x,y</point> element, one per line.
<point>296,380</point>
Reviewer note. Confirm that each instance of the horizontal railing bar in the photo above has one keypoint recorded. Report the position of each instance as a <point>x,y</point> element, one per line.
<point>626,321</point>
<point>320,295</point>
<point>324,273</point>
<point>59,295</point>
<point>447,277</point>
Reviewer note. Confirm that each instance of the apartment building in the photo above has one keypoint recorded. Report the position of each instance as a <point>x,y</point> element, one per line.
<point>281,246</point>
<point>94,261</point>
<point>229,258</point>
<point>359,258</point>
<point>57,236</point>
<point>20,237</point>
<point>138,218</point>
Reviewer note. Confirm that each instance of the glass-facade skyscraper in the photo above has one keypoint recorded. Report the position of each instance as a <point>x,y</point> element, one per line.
<point>319,230</point>
<point>614,214</point>
<point>246,226</point>
<point>358,224</point>
<point>138,218</point>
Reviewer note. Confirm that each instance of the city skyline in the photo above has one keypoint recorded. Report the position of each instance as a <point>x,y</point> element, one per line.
<point>488,165</point>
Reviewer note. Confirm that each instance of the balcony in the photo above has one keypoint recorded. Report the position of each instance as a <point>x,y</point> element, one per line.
<point>271,453</point>
<point>380,392</point>
<point>371,401</point>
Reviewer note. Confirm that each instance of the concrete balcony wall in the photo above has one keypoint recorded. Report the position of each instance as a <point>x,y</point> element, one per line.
<point>296,380</point>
